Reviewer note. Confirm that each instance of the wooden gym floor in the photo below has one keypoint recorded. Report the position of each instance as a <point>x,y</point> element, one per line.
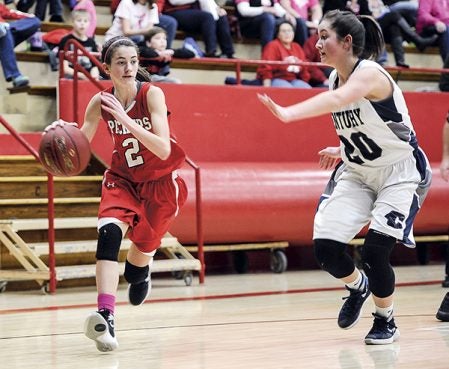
<point>233,321</point>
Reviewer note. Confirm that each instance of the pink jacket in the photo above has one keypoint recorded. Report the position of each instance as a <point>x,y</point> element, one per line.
<point>431,11</point>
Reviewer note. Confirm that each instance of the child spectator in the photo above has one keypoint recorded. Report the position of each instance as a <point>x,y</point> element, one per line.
<point>155,48</point>
<point>80,19</point>
<point>89,6</point>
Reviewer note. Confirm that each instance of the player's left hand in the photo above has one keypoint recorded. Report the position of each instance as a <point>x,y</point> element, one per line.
<point>329,157</point>
<point>276,109</point>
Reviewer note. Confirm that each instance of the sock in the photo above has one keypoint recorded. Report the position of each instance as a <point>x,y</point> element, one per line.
<point>385,312</point>
<point>359,283</point>
<point>105,301</point>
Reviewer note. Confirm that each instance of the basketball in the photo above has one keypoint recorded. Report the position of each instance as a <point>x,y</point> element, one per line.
<point>64,150</point>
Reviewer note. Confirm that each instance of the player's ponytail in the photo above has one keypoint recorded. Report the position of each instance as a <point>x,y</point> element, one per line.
<point>374,39</point>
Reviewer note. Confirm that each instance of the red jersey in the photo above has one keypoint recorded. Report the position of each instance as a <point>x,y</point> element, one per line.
<point>131,159</point>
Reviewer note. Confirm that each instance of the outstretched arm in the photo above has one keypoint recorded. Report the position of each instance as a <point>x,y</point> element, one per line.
<point>367,82</point>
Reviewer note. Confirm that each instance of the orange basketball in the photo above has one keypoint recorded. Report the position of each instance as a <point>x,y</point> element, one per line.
<point>64,150</point>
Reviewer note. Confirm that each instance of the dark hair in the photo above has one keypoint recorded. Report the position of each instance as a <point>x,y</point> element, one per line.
<point>367,37</point>
<point>113,44</point>
<point>278,26</point>
<point>154,31</point>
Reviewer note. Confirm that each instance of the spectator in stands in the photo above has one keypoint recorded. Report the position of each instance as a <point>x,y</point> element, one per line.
<point>41,9</point>
<point>257,18</point>
<point>165,21</point>
<point>394,27</point>
<point>433,18</point>
<point>133,19</point>
<point>203,17</point>
<point>156,57</point>
<point>19,28</point>
<point>304,15</point>
<point>318,75</point>
<point>89,6</point>
<point>80,19</point>
<point>283,48</point>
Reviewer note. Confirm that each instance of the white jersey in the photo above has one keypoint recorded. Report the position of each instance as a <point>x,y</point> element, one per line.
<point>374,134</point>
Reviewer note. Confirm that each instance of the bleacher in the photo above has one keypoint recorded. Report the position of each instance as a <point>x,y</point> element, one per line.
<point>44,81</point>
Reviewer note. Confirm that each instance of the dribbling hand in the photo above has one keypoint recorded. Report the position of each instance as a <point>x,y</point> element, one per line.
<point>59,122</point>
<point>329,157</point>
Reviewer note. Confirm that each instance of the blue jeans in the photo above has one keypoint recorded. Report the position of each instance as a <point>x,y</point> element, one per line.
<point>22,29</point>
<point>18,32</point>
<point>296,83</point>
<point>8,57</point>
<point>194,21</point>
<point>41,8</point>
<point>170,25</point>
<point>261,26</point>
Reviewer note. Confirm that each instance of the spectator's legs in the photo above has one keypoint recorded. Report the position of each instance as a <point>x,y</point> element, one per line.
<point>23,28</point>
<point>56,11</point>
<point>224,36</point>
<point>41,9</point>
<point>8,57</point>
<point>170,25</point>
<point>261,26</point>
<point>444,43</point>
<point>198,21</point>
<point>408,9</point>
<point>302,32</point>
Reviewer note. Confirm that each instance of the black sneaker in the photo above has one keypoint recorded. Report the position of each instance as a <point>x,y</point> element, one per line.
<point>138,293</point>
<point>443,311</point>
<point>350,311</point>
<point>99,326</point>
<point>383,332</point>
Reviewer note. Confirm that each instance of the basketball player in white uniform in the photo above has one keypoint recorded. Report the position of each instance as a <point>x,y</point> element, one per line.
<point>383,178</point>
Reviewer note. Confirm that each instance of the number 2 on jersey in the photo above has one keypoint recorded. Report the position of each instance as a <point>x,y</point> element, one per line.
<point>132,148</point>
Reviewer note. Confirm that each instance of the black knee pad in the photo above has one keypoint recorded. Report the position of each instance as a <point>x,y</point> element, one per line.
<point>333,258</point>
<point>134,274</point>
<point>109,241</point>
<point>376,263</point>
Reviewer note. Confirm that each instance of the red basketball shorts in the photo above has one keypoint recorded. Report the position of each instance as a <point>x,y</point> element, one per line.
<point>148,208</point>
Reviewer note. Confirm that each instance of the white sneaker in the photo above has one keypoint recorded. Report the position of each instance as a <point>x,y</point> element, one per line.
<point>99,326</point>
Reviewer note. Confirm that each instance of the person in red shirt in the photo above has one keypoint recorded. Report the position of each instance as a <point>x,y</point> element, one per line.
<point>283,48</point>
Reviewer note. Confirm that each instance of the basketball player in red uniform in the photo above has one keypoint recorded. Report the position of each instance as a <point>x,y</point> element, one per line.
<point>141,192</point>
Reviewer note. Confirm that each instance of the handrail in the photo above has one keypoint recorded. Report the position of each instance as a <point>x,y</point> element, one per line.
<point>50,207</point>
<point>72,56</point>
